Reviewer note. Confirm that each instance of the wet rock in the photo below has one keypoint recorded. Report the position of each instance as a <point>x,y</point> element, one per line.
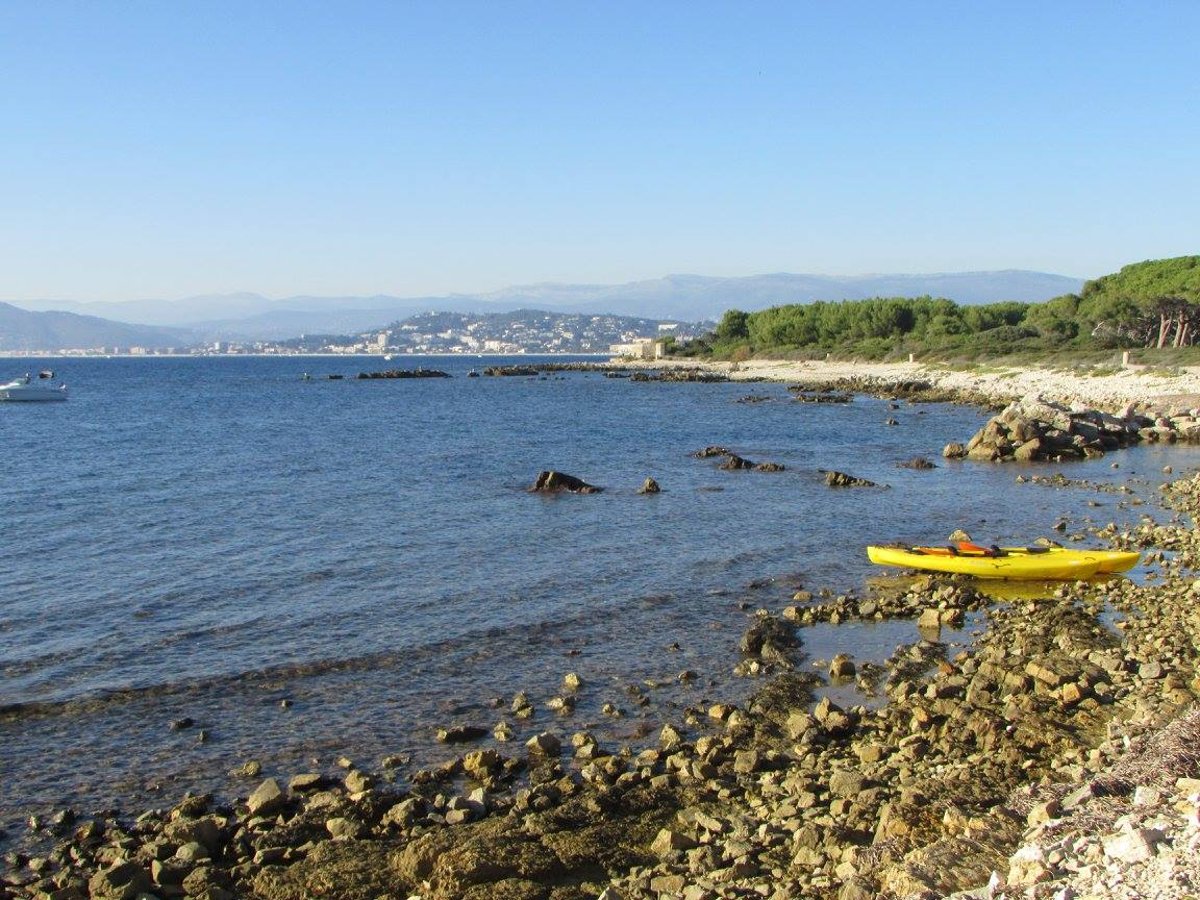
<point>649,486</point>
<point>734,462</point>
<point>461,734</point>
<point>555,482</point>
<point>841,479</point>
<point>356,782</point>
<point>771,639</point>
<point>249,769</point>
<point>482,764</point>
<point>842,666</point>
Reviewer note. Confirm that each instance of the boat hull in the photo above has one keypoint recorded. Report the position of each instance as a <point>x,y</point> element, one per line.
<point>14,396</point>
<point>1022,567</point>
<point>20,392</point>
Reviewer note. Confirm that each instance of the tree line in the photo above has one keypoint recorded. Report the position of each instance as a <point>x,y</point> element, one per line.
<point>1150,304</point>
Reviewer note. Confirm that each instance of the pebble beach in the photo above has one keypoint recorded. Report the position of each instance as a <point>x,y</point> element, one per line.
<point>1053,756</point>
<point>1101,388</point>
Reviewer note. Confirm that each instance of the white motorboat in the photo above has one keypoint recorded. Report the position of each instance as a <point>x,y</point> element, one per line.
<point>27,389</point>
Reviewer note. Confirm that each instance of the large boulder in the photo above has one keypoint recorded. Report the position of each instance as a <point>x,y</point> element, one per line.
<point>1034,429</point>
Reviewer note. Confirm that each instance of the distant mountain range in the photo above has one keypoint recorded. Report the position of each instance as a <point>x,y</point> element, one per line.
<point>687,298</point>
<point>21,329</point>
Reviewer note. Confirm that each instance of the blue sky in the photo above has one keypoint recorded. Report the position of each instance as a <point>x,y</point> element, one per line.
<point>155,149</point>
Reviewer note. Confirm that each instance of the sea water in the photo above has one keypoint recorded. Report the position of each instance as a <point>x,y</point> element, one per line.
<point>212,560</point>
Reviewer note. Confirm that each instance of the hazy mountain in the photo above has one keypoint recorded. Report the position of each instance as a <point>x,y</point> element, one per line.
<point>24,330</point>
<point>697,297</point>
<point>689,298</point>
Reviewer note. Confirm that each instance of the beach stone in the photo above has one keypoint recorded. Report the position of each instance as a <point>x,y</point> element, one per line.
<point>842,666</point>
<point>482,764</point>
<point>208,882</point>
<point>121,881</point>
<point>1132,846</point>
<point>343,829</point>
<point>356,782</point>
<point>930,618</point>
<point>306,781</point>
<point>649,486</point>
<point>1028,451</point>
<point>983,452</point>
<point>668,840</point>
<point>667,885</point>
<point>205,831</point>
<point>266,799</point>
<point>1028,867</point>
<point>192,851</point>
<point>404,813</point>
<point>545,744</point>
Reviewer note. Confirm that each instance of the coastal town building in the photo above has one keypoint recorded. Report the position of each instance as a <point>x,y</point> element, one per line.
<point>641,348</point>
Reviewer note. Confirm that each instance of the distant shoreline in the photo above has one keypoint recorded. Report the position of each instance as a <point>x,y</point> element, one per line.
<point>395,356</point>
<point>1108,390</point>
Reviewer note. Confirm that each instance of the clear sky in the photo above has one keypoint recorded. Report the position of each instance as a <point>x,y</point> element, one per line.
<point>165,149</point>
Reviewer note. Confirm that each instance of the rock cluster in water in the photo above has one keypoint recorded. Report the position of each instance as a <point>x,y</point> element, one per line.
<point>731,462</point>
<point>1036,429</point>
<point>404,373</point>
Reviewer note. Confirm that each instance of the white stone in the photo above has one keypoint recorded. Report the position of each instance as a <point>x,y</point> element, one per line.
<point>1132,846</point>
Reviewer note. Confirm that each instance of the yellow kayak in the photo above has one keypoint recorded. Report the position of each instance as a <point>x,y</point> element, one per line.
<point>1107,561</point>
<point>1026,566</point>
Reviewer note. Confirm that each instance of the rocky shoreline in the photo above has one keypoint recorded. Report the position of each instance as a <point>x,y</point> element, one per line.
<point>1102,388</point>
<point>1055,756</point>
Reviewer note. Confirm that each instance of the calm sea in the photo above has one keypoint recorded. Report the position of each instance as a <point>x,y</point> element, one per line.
<point>207,538</point>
